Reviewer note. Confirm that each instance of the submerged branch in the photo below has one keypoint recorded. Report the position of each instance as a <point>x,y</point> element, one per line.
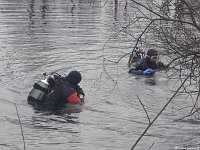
<point>22,133</point>
<point>144,108</point>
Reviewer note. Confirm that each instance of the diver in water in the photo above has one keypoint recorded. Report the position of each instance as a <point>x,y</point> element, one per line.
<point>65,89</point>
<point>147,65</point>
<point>58,90</point>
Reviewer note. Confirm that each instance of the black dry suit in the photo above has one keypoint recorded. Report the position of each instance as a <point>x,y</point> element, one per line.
<point>141,65</point>
<point>61,92</point>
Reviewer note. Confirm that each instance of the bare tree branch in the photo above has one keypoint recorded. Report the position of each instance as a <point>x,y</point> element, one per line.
<point>151,123</point>
<point>164,18</point>
<point>144,109</point>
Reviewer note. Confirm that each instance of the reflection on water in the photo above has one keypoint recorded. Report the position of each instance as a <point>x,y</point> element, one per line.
<point>60,111</point>
<point>150,81</point>
<point>40,36</point>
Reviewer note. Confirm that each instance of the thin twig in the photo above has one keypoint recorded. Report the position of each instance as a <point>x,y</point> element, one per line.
<point>151,123</point>
<point>138,39</point>
<point>188,115</point>
<point>164,18</point>
<point>144,108</point>
<point>151,145</point>
<point>20,125</point>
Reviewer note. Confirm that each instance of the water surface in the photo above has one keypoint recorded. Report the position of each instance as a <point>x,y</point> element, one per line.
<point>38,36</point>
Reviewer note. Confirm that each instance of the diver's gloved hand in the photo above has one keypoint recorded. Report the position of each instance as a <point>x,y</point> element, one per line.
<point>161,65</point>
<point>148,72</point>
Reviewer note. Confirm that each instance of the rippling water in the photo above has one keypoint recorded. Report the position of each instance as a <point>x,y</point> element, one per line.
<point>38,36</point>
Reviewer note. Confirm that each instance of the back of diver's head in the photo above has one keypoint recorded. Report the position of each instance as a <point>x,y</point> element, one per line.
<point>74,77</point>
<point>152,52</point>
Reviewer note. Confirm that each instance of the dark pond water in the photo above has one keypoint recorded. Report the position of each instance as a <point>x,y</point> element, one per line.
<point>38,36</point>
